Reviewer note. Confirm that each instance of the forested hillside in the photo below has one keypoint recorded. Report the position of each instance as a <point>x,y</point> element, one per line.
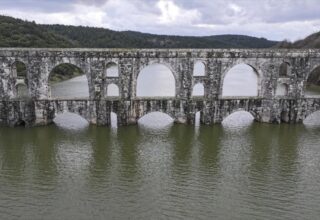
<point>312,41</point>
<point>19,33</point>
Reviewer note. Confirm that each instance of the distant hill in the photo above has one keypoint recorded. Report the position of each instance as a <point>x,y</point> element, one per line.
<point>18,33</point>
<point>312,41</point>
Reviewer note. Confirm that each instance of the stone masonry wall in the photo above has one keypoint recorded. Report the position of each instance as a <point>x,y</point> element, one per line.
<point>40,109</point>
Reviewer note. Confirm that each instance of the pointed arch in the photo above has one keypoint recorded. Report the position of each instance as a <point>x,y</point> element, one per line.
<point>156,80</point>
<point>241,80</point>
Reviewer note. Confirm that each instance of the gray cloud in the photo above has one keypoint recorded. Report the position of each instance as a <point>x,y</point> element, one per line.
<point>274,19</point>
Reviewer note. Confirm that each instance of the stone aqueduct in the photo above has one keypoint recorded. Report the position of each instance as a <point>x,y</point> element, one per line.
<point>40,109</point>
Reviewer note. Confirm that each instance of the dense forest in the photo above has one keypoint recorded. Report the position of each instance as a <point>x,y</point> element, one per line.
<point>312,41</point>
<point>18,33</point>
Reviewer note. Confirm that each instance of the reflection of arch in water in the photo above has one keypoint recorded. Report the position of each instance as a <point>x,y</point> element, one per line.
<point>156,80</point>
<point>233,82</point>
<point>198,90</point>
<point>68,71</point>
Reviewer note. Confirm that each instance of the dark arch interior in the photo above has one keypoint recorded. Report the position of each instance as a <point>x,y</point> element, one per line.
<point>20,123</point>
<point>284,68</point>
<point>313,82</point>
<point>19,69</point>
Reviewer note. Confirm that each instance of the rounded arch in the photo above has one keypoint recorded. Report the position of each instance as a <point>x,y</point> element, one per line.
<point>282,89</point>
<point>198,90</point>
<point>284,70</point>
<point>20,123</point>
<point>112,90</point>
<point>312,83</point>
<point>67,80</point>
<point>241,79</point>
<point>199,68</point>
<point>239,117</point>
<point>70,120</point>
<point>22,90</point>
<point>19,69</point>
<point>156,80</point>
<point>112,69</point>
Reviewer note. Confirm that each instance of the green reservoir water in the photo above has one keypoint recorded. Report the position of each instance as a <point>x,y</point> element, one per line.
<point>247,171</point>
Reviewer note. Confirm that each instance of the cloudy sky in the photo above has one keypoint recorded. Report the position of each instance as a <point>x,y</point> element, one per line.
<point>273,19</point>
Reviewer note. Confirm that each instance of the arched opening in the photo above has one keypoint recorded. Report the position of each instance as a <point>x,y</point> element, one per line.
<point>19,70</point>
<point>312,120</point>
<point>68,81</point>
<point>284,69</point>
<point>198,90</point>
<point>199,69</point>
<point>282,89</point>
<point>112,90</point>
<point>112,70</point>
<point>313,83</point>
<point>22,90</point>
<point>241,80</point>
<point>113,120</point>
<point>20,123</point>
<point>155,120</point>
<point>238,119</point>
<point>71,121</point>
<point>156,80</point>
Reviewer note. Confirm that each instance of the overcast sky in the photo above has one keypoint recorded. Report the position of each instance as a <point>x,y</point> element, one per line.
<point>272,19</point>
